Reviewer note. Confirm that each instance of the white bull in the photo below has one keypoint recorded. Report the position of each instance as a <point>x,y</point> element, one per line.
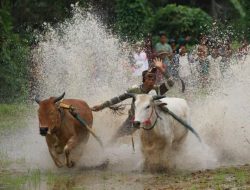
<point>161,134</point>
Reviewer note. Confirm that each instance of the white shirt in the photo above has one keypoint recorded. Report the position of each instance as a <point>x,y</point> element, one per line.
<point>141,63</point>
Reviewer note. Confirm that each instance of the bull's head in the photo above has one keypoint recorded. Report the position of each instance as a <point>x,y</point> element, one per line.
<point>48,114</point>
<point>144,107</point>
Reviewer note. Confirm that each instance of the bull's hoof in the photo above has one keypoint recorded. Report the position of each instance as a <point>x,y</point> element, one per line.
<point>71,164</point>
<point>59,165</point>
<point>103,165</point>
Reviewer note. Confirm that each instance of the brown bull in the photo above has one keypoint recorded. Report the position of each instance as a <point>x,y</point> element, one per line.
<point>62,131</point>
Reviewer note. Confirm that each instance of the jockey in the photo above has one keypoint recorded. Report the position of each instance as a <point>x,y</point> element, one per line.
<point>148,84</point>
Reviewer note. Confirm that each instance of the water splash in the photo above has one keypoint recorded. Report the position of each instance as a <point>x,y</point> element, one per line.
<point>221,118</point>
<point>80,57</point>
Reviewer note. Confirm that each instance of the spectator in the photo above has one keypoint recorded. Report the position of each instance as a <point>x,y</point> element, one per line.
<point>182,51</point>
<point>141,61</point>
<point>202,48</point>
<point>163,49</point>
<point>180,64</point>
<point>182,42</point>
<point>243,50</point>
<point>162,55</point>
<point>173,45</point>
<point>163,45</point>
<point>203,62</point>
<point>214,52</point>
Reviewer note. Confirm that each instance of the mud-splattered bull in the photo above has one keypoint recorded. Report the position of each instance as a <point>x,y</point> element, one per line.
<point>161,134</point>
<point>62,131</point>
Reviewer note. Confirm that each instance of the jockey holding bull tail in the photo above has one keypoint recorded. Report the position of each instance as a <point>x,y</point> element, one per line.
<point>148,79</point>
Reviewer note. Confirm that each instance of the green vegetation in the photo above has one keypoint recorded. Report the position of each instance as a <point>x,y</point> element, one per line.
<point>236,177</point>
<point>51,177</point>
<point>180,20</point>
<point>13,110</point>
<point>241,22</point>
<point>4,160</point>
<point>13,182</point>
<point>32,179</point>
<point>21,180</point>
<point>135,23</point>
<point>12,116</point>
<point>176,20</point>
<point>14,53</point>
<point>132,20</point>
<point>219,180</point>
<point>222,178</point>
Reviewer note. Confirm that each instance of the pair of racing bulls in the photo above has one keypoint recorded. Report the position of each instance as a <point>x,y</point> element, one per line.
<point>64,133</point>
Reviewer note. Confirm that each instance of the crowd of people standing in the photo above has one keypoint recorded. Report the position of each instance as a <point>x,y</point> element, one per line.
<point>175,56</point>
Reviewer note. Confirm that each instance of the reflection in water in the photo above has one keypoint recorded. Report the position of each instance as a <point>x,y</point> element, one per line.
<point>62,184</point>
<point>98,180</point>
<point>102,180</point>
<point>72,179</point>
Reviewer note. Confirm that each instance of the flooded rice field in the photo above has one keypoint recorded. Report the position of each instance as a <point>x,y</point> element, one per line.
<point>74,58</point>
<point>224,178</point>
<point>26,164</point>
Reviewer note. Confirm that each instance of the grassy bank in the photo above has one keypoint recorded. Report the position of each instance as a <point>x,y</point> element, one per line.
<point>13,116</point>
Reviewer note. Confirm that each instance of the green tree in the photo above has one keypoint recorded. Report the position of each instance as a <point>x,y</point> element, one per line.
<point>178,20</point>
<point>13,60</point>
<point>133,19</point>
<point>33,13</point>
<point>242,23</point>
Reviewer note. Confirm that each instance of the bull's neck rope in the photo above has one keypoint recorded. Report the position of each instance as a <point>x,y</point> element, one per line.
<point>148,121</point>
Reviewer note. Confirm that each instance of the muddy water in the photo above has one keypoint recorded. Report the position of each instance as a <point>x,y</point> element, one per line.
<point>83,59</point>
<point>223,178</point>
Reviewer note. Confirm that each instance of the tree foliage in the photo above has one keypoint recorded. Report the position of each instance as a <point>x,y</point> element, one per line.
<point>242,23</point>
<point>13,60</point>
<point>34,13</point>
<point>178,20</point>
<point>133,19</point>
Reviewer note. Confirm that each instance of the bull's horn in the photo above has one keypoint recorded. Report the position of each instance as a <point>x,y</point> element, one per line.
<point>157,97</point>
<point>132,95</point>
<point>59,98</point>
<point>37,100</point>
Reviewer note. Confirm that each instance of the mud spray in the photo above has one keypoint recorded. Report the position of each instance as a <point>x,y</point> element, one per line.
<point>81,58</point>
